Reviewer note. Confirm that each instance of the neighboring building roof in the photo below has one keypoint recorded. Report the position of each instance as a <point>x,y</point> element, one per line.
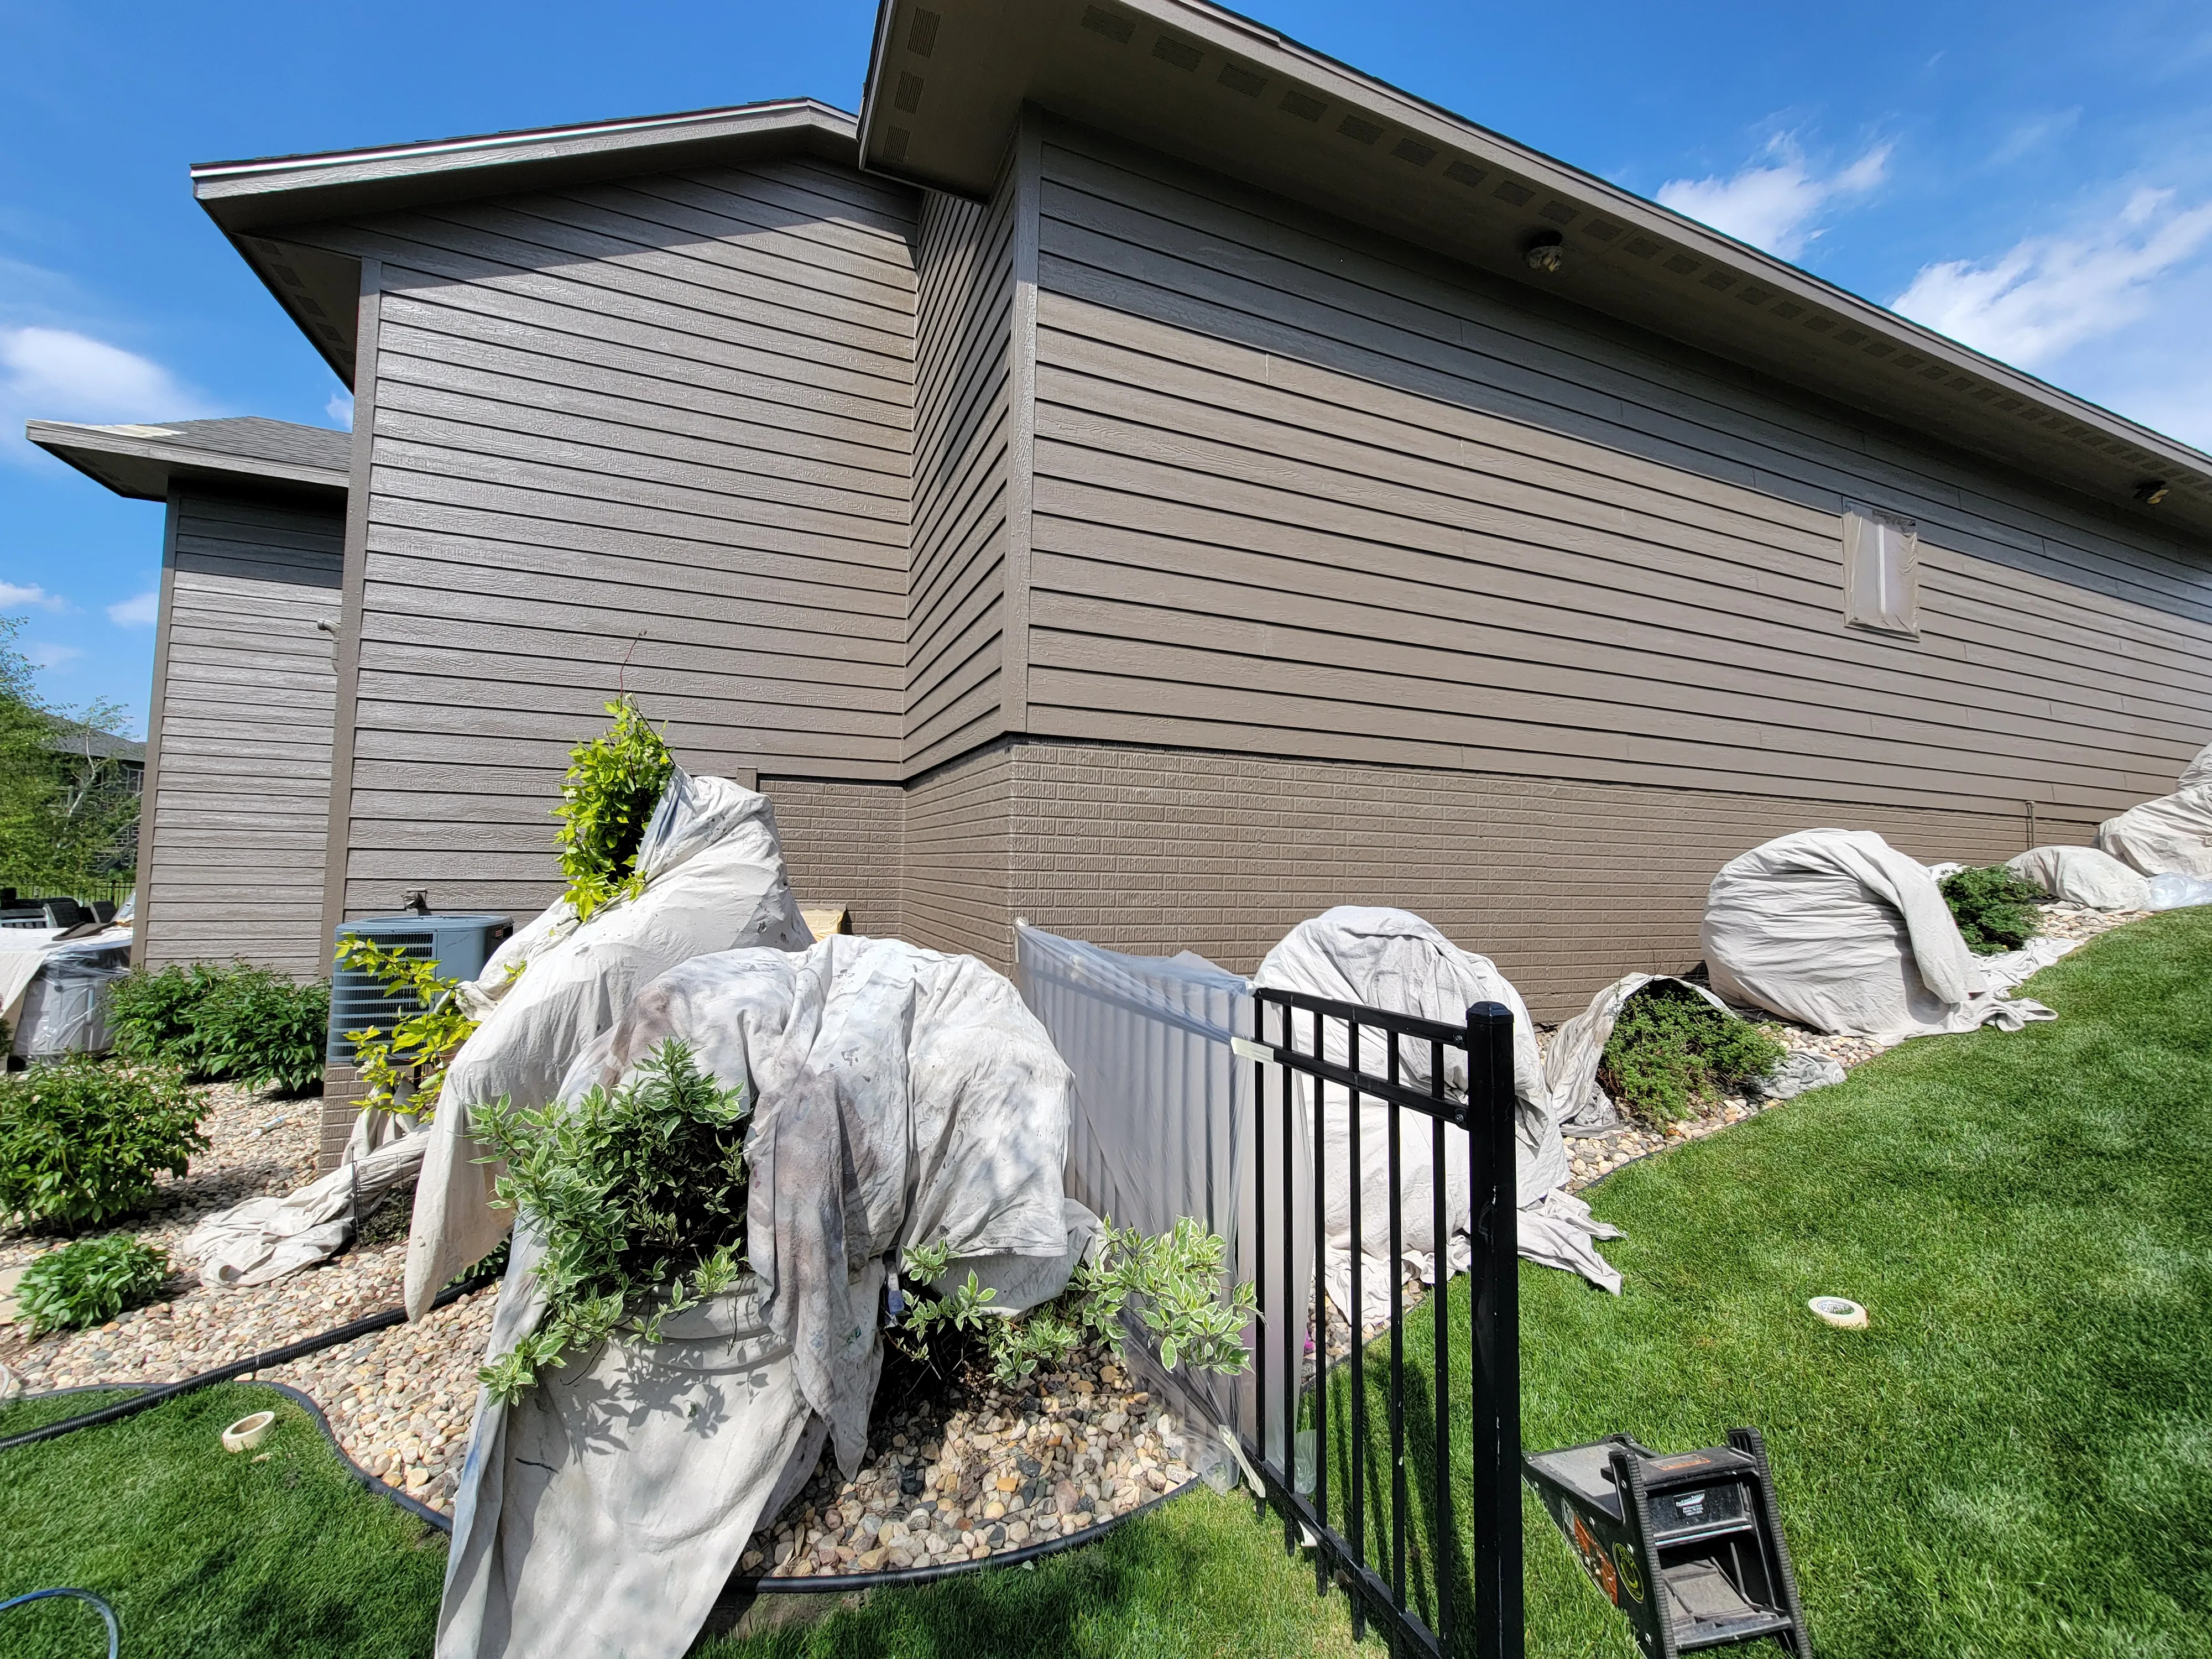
<point>78,738</point>
<point>140,461</point>
<point>253,200</point>
<point>948,78</point>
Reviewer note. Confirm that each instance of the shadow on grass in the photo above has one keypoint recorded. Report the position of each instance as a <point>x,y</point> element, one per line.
<point>2012,1460</point>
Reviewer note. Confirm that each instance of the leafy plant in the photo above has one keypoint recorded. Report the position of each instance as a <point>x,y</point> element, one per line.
<point>81,1141</point>
<point>1173,1283</point>
<point>1995,908</point>
<point>405,1067</point>
<point>69,813</point>
<point>640,1193</point>
<point>153,1014</point>
<point>259,1027</point>
<point>89,1282</point>
<point>247,1024</point>
<point>613,783</point>
<point>1672,1052</point>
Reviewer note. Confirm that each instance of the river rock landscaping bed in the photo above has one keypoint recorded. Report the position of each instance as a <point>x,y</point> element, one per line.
<point>977,1470</point>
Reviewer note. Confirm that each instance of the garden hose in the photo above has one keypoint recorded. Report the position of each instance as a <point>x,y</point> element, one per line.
<point>106,1613</point>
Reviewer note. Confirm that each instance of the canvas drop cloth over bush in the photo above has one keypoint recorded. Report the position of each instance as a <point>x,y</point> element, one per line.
<point>715,881</point>
<point>901,1097</point>
<point>1839,931</point>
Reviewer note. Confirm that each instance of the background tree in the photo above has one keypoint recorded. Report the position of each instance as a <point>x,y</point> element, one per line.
<point>68,813</point>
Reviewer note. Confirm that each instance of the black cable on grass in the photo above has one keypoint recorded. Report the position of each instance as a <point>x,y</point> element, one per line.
<point>260,1362</point>
<point>745,1584</point>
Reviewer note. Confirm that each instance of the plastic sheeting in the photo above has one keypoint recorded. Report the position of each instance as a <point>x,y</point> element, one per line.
<point>63,1006</point>
<point>2169,836</point>
<point>902,1096</point>
<point>714,881</point>
<point>1838,930</point>
<point>2083,876</point>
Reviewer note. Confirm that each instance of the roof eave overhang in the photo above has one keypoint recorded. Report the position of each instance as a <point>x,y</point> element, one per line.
<point>254,202</point>
<point>948,79</point>
<point>144,468</point>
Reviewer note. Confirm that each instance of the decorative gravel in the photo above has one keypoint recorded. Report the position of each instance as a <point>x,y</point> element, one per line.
<point>979,1470</point>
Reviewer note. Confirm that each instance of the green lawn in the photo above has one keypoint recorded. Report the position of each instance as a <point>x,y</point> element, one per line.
<point>2016,1459</point>
<point>204,1554</point>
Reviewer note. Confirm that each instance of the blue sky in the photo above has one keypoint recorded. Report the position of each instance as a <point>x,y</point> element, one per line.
<point>2033,177</point>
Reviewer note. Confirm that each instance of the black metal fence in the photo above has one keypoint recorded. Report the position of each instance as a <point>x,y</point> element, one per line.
<point>1438,1576</point>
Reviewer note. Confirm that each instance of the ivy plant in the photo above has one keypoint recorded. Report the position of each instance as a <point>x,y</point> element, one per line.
<point>614,781</point>
<point>640,1194</point>
<point>1172,1283</point>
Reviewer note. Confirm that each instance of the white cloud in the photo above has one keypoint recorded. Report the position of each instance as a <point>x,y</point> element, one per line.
<point>138,612</point>
<point>2048,294</point>
<point>48,655</point>
<point>15,594</point>
<point>340,408</point>
<point>1771,202</point>
<point>57,373</point>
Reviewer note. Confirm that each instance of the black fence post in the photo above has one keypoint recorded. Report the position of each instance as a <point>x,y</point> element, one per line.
<point>1495,1316</point>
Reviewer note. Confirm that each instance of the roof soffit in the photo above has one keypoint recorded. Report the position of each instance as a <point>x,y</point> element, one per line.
<point>141,463</point>
<point>948,78</point>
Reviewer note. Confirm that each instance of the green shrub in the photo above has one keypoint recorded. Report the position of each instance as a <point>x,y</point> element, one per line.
<point>1672,1052</point>
<point>1995,908</point>
<point>607,799</point>
<point>265,1031</point>
<point>151,1013</point>
<point>640,1193</point>
<point>81,1141</point>
<point>230,1023</point>
<point>89,1282</point>
<point>1173,1284</point>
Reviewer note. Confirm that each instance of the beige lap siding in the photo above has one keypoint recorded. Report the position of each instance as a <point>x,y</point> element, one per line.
<point>665,418</point>
<point>236,817</point>
<point>1302,491</point>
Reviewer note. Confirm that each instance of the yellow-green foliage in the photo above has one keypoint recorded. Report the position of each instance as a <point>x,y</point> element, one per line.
<point>614,783</point>
<point>405,1067</point>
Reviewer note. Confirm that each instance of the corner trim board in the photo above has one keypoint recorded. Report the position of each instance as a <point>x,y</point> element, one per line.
<point>346,658</point>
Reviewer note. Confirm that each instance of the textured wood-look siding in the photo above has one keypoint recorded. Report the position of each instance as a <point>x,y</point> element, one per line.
<point>1300,492</point>
<point>236,814</point>
<point>667,419</point>
<point>963,332</point>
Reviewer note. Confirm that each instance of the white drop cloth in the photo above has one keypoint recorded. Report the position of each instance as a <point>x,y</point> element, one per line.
<point>903,1097</point>
<point>1838,930</point>
<point>264,1239</point>
<point>2169,836</point>
<point>714,881</point>
<point>2083,876</point>
<point>1392,959</point>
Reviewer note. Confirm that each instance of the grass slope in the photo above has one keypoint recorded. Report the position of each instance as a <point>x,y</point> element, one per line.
<point>204,1554</point>
<point>2016,1458</point>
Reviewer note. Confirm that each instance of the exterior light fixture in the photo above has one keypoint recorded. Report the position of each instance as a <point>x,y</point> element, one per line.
<point>1546,252</point>
<point>2150,492</point>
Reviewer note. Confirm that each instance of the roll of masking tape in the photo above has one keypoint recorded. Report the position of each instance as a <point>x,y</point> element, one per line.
<point>248,1432</point>
<point>1842,1312</point>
